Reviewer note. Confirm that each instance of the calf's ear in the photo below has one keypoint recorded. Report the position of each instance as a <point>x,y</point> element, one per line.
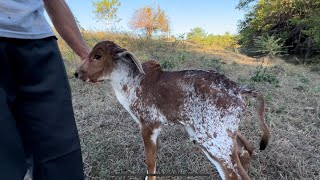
<point>131,56</point>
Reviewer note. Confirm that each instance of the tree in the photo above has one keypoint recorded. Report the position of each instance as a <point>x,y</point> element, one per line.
<point>107,10</point>
<point>296,22</point>
<point>150,20</point>
<point>244,4</point>
<point>197,34</point>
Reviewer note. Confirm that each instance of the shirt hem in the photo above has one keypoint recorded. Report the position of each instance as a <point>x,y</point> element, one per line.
<point>26,36</point>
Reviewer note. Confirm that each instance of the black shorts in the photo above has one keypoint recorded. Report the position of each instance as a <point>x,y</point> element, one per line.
<point>36,115</point>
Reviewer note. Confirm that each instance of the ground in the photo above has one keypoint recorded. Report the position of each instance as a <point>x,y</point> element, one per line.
<point>112,144</point>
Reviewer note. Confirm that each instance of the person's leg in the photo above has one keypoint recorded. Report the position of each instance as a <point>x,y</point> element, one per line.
<point>12,158</point>
<point>43,110</point>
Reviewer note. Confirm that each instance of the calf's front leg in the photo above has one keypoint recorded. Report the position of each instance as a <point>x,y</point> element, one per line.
<point>150,137</point>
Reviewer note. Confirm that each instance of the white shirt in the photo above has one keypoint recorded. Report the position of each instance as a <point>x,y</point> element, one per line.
<point>23,19</point>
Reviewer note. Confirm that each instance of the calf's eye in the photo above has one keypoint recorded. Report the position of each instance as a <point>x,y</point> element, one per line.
<point>97,57</point>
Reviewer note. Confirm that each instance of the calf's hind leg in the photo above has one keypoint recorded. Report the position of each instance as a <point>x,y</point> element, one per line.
<point>245,151</point>
<point>225,158</point>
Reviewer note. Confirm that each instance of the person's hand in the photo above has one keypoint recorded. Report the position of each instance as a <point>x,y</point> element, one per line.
<point>84,56</point>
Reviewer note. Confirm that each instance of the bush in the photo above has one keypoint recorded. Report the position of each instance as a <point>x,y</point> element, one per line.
<point>167,64</point>
<point>261,75</point>
<point>265,77</point>
<point>269,45</point>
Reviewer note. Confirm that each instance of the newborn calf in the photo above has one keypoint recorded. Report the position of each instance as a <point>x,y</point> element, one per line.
<point>206,103</point>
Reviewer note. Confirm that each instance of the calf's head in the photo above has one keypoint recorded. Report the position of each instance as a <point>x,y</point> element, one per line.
<point>102,61</point>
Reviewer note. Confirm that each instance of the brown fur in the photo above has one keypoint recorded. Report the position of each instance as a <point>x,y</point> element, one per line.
<point>245,151</point>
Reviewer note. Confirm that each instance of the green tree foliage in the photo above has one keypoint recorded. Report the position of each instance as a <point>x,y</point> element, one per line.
<point>296,22</point>
<point>268,45</point>
<point>150,20</point>
<point>106,10</point>
<point>199,36</point>
<point>314,27</point>
<point>225,41</point>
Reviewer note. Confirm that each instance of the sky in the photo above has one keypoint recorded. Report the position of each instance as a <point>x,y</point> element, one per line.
<point>214,16</point>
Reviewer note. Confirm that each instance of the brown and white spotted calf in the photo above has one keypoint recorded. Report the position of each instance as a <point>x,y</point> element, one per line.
<point>206,103</point>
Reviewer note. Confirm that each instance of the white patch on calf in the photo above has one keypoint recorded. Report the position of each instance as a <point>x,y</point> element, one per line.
<point>216,164</point>
<point>146,178</point>
<point>154,114</point>
<point>192,134</point>
<point>120,77</point>
<point>155,135</point>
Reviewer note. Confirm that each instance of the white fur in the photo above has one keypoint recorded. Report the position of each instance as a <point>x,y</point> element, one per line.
<point>146,178</point>
<point>216,164</point>
<point>192,134</point>
<point>155,135</point>
<point>119,77</point>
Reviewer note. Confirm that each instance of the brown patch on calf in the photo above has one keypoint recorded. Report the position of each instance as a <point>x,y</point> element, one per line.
<point>157,89</point>
<point>125,88</point>
<point>161,88</point>
<point>214,134</point>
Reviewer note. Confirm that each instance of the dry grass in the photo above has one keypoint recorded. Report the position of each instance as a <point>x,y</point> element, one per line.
<point>112,143</point>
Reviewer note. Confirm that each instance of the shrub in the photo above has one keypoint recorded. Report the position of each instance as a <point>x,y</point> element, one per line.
<point>269,45</point>
<point>261,75</point>
<point>167,64</point>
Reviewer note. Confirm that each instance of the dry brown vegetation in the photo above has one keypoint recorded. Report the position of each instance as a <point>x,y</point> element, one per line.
<point>150,19</point>
<point>112,143</point>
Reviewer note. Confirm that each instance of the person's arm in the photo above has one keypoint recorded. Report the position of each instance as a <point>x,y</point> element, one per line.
<point>64,22</point>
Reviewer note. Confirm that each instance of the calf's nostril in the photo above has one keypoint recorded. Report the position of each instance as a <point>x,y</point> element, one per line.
<point>76,75</point>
